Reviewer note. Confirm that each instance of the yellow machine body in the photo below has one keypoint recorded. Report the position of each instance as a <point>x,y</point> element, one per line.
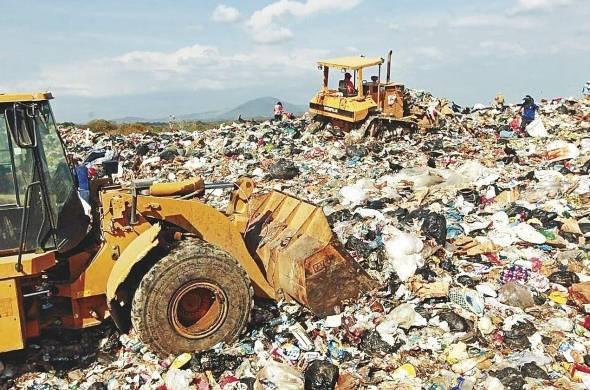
<point>372,98</point>
<point>333,103</point>
<point>285,246</point>
<point>15,328</point>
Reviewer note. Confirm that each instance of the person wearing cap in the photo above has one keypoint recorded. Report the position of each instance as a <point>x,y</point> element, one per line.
<point>527,111</point>
<point>348,84</point>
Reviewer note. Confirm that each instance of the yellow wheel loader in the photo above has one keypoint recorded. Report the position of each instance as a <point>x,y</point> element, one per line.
<point>155,256</point>
<point>372,106</point>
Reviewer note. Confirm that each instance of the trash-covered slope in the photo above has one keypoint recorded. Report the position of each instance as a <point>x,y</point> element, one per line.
<point>477,233</point>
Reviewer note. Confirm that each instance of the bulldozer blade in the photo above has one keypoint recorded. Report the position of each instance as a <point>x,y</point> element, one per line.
<point>302,260</point>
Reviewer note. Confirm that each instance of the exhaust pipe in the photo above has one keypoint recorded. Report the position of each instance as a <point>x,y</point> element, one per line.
<point>388,78</point>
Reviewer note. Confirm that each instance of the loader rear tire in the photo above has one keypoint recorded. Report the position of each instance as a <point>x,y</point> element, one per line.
<point>192,299</point>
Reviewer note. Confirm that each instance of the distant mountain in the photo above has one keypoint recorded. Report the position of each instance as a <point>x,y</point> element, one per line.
<point>260,108</point>
<point>200,116</point>
<point>131,119</point>
<point>255,108</point>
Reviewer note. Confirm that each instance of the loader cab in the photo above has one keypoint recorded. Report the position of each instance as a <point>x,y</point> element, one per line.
<point>39,206</point>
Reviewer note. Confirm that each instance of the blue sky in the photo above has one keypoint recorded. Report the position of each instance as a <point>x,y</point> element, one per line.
<point>145,58</point>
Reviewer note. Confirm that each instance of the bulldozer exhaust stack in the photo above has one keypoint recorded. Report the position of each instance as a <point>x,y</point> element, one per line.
<point>388,78</point>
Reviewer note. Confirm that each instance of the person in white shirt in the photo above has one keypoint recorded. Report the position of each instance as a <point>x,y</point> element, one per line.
<point>278,111</point>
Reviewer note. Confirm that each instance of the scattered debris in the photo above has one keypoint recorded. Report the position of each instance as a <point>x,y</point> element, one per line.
<point>477,235</point>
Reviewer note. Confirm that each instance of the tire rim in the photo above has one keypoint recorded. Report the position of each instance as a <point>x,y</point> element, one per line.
<point>197,309</point>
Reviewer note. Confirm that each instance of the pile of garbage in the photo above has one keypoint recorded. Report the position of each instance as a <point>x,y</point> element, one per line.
<point>477,232</point>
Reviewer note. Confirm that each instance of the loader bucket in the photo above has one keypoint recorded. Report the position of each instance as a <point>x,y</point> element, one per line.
<point>296,247</point>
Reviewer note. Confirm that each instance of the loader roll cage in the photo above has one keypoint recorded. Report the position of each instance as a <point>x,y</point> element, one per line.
<point>36,183</point>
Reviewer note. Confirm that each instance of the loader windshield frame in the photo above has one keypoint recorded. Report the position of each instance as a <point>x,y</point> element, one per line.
<point>36,176</point>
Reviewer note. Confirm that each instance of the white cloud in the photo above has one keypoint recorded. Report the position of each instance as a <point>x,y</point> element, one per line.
<point>394,26</point>
<point>179,61</point>
<point>195,27</point>
<point>429,52</point>
<point>424,57</point>
<point>572,45</point>
<point>264,23</point>
<point>197,67</point>
<point>491,21</point>
<point>524,6</point>
<point>500,49</point>
<point>225,14</point>
<point>271,34</point>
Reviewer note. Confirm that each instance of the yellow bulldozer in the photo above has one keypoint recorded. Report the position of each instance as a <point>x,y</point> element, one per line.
<point>359,104</point>
<point>154,256</point>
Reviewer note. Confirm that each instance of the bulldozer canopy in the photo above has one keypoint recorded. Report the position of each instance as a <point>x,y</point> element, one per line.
<point>351,62</point>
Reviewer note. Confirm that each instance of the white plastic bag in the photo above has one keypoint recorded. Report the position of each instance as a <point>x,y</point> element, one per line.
<point>356,193</point>
<point>403,251</point>
<point>178,379</point>
<point>277,375</point>
<point>537,129</point>
<point>528,233</point>
<point>353,195</point>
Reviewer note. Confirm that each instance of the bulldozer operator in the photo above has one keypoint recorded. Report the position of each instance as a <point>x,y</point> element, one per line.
<point>348,85</point>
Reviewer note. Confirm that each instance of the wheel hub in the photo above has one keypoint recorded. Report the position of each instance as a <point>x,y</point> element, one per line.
<point>197,309</point>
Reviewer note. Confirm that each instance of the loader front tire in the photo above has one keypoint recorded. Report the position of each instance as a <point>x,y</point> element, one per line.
<point>192,299</point>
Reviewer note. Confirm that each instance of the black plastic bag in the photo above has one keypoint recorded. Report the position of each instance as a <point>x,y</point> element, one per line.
<point>435,226</point>
<point>455,321</point>
<point>416,214</point>
<point>518,337</point>
<point>379,204</point>
<point>401,214</point>
<point>372,342</point>
<point>428,275</point>
<point>470,195</point>
<point>283,169</point>
<point>377,148</point>
<point>395,167</point>
<point>466,281</point>
<point>510,378</point>
<point>544,216</point>
<point>565,278</point>
<point>168,154</point>
<point>360,247</point>
<point>215,362</point>
<point>321,375</point>
<point>356,151</point>
<point>514,210</point>
<point>339,216</point>
<point>531,370</point>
